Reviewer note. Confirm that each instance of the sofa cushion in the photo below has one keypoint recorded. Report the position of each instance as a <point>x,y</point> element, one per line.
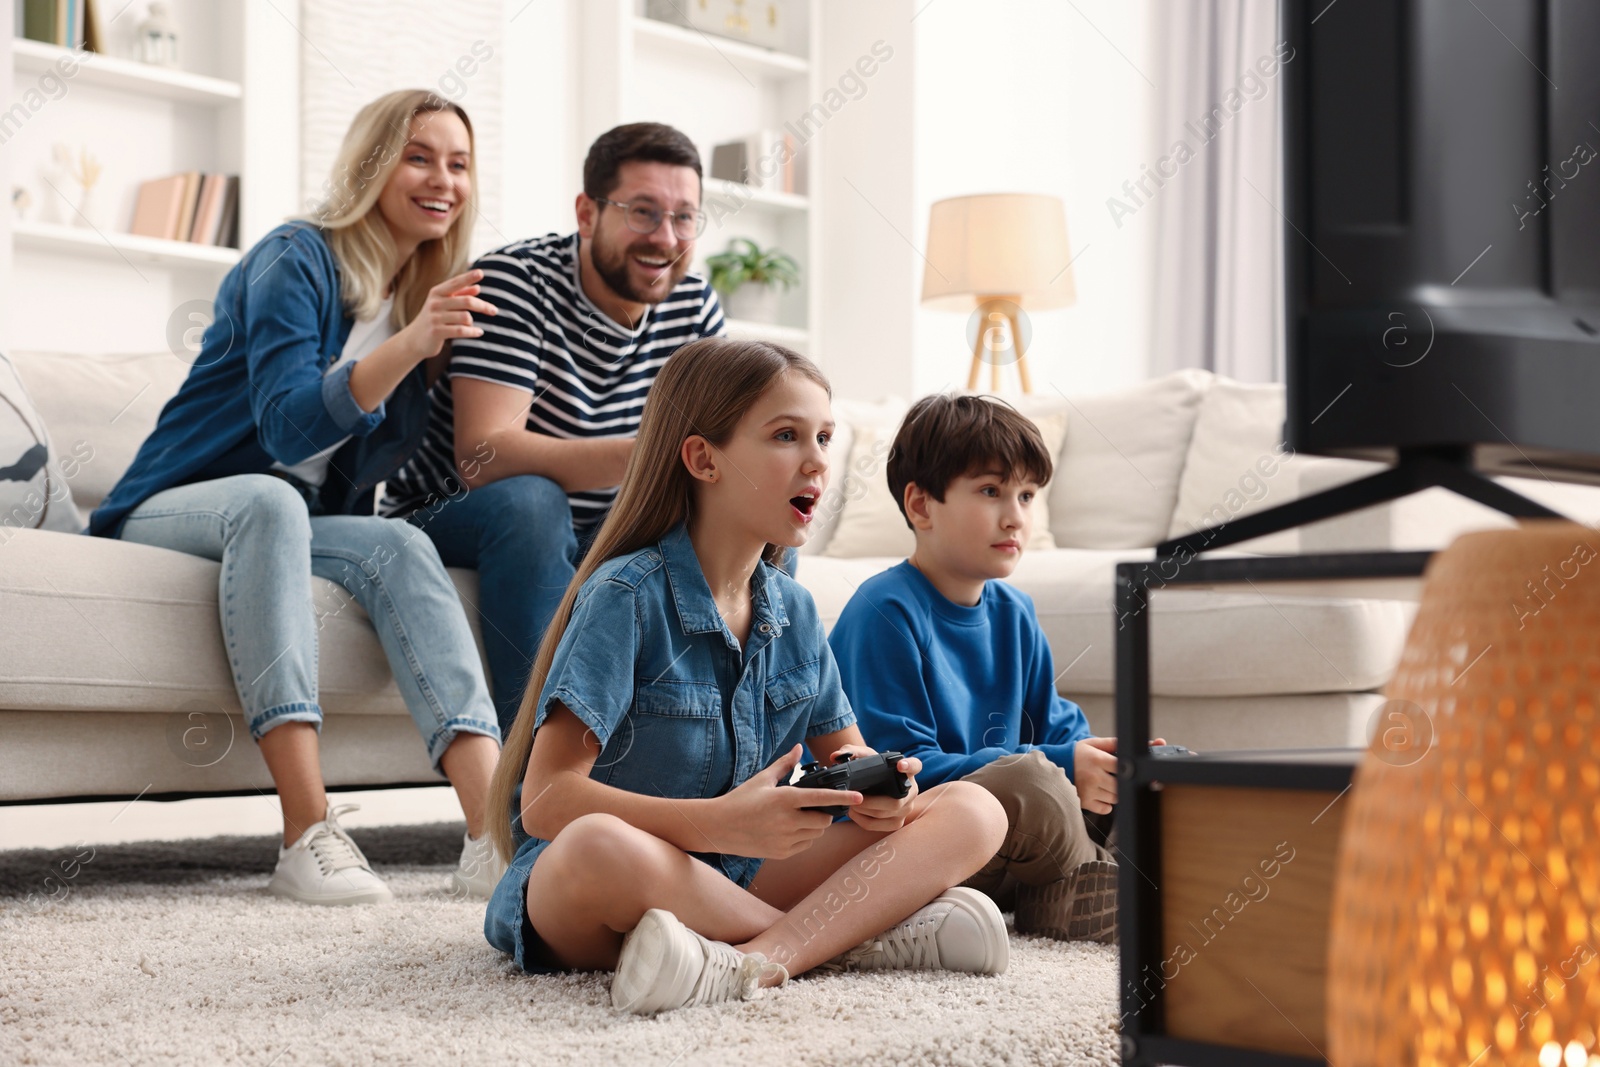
<point>90,623</point>
<point>1237,462</point>
<point>1204,642</point>
<point>1116,482</point>
<point>872,524</point>
<point>106,405</point>
<point>35,491</point>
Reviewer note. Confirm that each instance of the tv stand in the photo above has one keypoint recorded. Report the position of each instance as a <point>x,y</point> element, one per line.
<point>1418,469</point>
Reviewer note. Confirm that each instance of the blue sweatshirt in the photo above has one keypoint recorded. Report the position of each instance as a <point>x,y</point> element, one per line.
<point>957,687</point>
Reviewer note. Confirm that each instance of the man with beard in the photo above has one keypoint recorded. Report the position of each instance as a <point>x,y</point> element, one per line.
<point>530,431</point>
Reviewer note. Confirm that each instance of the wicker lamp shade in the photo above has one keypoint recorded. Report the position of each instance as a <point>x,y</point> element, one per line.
<point>1466,911</point>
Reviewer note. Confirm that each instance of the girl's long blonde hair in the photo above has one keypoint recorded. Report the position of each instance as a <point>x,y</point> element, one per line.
<point>705,389</point>
<point>357,235</point>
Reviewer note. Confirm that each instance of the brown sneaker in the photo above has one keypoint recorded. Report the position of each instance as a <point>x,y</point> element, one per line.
<point>1080,907</point>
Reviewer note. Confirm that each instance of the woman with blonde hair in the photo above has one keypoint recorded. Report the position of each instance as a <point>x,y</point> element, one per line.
<point>638,798</point>
<point>309,389</point>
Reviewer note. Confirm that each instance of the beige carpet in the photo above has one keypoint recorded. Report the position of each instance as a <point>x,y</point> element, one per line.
<point>172,953</point>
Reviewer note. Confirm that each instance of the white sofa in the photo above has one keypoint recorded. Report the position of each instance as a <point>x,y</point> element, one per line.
<point>113,680</point>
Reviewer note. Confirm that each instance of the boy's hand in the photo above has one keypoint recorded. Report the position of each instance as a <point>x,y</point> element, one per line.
<point>1094,772</point>
<point>883,815</point>
<point>762,820</point>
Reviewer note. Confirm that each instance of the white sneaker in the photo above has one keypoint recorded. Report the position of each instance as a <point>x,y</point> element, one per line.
<point>666,965</point>
<point>962,930</point>
<point>479,870</point>
<point>326,867</point>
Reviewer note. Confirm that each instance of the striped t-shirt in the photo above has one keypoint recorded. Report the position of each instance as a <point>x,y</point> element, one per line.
<point>588,376</point>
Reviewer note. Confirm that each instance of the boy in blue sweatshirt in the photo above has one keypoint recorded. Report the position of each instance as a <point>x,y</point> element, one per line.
<point>943,663</point>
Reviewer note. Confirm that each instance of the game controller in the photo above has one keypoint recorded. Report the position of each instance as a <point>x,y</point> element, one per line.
<point>1169,751</point>
<point>873,776</point>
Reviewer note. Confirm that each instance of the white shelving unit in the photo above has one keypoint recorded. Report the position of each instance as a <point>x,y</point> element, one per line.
<point>51,237</point>
<point>716,89</point>
<point>230,108</point>
<point>109,72</point>
<point>696,47</point>
<point>761,199</point>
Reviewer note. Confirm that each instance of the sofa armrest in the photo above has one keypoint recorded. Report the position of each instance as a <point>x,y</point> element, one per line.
<point>1423,521</point>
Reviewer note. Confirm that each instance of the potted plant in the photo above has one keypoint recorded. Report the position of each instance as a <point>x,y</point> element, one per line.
<point>748,279</point>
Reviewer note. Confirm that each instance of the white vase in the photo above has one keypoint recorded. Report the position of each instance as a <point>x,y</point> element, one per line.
<point>88,209</point>
<point>754,303</point>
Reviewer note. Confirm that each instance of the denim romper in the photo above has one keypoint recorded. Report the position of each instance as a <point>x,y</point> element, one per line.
<point>678,708</point>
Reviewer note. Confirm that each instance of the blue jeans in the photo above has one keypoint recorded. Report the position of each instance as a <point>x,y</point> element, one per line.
<point>517,533</point>
<point>269,544</point>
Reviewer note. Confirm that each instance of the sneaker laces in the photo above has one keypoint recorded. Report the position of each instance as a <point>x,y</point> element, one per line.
<point>907,947</point>
<point>729,974</point>
<point>332,847</point>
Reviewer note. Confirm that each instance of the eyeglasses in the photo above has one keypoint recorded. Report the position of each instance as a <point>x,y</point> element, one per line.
<point>645,217</point>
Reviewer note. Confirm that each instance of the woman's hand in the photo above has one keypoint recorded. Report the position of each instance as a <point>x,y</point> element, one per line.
<point>883,815</point>
<point>447,314</point>
<point>765,819</point>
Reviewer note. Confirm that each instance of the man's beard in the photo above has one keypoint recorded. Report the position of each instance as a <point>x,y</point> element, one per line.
<point>611,263</point>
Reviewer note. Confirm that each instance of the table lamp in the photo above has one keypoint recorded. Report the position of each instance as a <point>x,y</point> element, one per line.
<point>1000,253</point>
<point>1466,909</point>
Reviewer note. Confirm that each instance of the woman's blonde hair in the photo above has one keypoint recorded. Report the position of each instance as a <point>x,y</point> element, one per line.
<point>705,389</point>
<point>358,237</point>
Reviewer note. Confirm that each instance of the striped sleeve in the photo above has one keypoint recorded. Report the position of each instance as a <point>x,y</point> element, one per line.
<point>712,324</point>
<point>511,349</point>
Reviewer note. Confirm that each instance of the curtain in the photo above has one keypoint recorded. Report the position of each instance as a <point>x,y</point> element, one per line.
<point>1218,277</point>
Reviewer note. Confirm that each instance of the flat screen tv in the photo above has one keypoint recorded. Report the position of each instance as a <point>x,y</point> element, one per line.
<point>1442,201</point>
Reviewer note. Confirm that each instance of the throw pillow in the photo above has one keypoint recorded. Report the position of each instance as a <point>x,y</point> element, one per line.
<point>1237,462</point>
<point>34,494</point>
<point>872,525</point>
<point>1117,481</point>
<point>105,405</point>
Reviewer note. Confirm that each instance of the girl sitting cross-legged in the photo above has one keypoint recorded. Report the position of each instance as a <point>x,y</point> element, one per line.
<point>648,832</point>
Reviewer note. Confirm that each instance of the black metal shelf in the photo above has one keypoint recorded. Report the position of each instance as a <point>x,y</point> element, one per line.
<point>1145,1042</point>
<point>1320,769</point>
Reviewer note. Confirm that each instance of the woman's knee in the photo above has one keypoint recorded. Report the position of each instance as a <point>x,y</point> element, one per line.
<point>269,506</point>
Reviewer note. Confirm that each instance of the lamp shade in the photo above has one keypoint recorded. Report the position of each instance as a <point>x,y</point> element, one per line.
<point>998,244</point>
<point>1466,909</point>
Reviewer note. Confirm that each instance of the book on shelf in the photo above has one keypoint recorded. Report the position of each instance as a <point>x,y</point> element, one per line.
<point>66,23</point>
<point>191,200</point>
<point>208,210</point>
<point>767,159</point>
<point>193,207</point>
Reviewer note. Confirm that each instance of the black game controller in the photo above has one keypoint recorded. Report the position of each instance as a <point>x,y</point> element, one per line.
<point>873,776</point>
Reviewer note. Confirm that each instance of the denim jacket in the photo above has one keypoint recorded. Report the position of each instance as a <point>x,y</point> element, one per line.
<point>678,709</point>
<point>260,391</point>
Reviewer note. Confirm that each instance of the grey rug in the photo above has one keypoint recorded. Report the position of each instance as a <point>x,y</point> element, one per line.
<point>172,953</point>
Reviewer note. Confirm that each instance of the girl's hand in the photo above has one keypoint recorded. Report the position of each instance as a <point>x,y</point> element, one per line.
<point>885,815</point>
<point>447,314</point>
<point>764,818</point>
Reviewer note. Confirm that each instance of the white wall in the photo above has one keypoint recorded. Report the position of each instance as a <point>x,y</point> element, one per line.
<point>1041,96</point>
<point>871,273</point>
